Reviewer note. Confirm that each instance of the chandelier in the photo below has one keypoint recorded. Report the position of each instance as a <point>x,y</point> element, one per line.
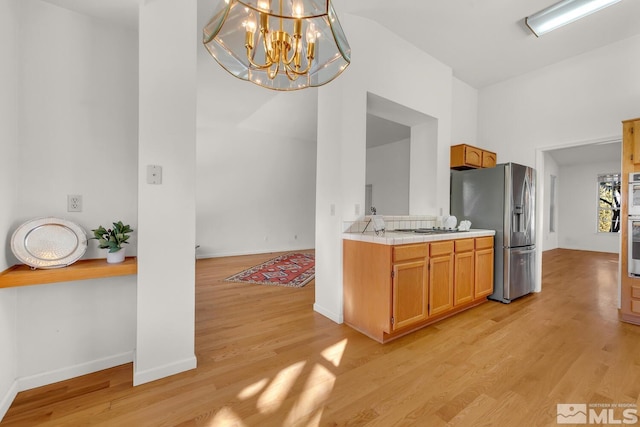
<point>278,44</point>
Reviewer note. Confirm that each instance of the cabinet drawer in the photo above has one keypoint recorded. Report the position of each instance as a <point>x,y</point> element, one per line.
<point>484,242</point>
<point>405,252</point>
<point>635,306</point>
<point>441,248</point>
<point>465,245</point>
<point>635,292</point>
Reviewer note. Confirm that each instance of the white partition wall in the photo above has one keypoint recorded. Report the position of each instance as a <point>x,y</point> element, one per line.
<point>341,161</point>
<point>166,221</point>
<point>9,132</point>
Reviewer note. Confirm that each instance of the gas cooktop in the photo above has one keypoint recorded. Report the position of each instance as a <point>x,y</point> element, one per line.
<point>433,230</point>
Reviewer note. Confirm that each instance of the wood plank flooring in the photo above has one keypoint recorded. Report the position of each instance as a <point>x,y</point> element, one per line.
<point>266,359</point>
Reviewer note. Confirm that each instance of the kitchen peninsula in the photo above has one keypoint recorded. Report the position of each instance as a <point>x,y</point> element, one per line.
<point>398,282</point>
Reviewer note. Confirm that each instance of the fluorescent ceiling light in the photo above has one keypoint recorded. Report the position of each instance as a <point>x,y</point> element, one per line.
<point>563,13</point>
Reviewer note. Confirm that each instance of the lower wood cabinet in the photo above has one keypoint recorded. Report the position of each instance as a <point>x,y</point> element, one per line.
<point>464,267</point>
<point>410,293</point>
<point>390,291</point>
<point>483,267</point>
<point>440,277</point>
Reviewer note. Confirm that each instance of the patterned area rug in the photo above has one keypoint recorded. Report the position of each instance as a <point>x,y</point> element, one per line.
<point>293,270</point>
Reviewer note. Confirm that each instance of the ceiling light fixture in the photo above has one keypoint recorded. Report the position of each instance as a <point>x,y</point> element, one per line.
<point>563,13</point>
<point>297,45</point>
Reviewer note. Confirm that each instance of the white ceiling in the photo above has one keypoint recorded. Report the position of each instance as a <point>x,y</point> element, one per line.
<point>483,41</point>
<point>124,12</point>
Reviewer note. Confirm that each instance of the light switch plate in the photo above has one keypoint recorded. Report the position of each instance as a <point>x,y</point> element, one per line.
<point>154,174</point>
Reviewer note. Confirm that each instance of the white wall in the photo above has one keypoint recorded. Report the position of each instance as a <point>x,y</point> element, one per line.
<point>255,191</point>
<point>387,171</point>
<point>81,327</point>
<point>79,119</point>
<point>550,239</point>
<point>342,109</point>
<point>73,105</point>
<point>165,341</point>
<point>581,99</point>
<point>256,162</point>
<point>9,134</point>
<point>464,119</point>
<point>578,209</point>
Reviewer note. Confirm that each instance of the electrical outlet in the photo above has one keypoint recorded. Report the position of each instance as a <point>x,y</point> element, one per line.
<point>74,203</point>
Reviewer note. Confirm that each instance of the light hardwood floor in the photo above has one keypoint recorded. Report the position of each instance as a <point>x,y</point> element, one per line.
<point>266,359</point>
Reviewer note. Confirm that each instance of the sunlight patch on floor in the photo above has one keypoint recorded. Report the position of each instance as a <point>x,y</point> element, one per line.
<point>334,353</point>
<point>226,417</point>
<point>277,391</point>
<point>253,389</point>
<point>317,390</point>
<point>315,378</point>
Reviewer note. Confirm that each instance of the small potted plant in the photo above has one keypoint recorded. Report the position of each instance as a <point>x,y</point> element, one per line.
<point>113,239</point>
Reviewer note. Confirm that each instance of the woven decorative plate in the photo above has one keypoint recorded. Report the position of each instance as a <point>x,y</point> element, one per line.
<point>49,243</point>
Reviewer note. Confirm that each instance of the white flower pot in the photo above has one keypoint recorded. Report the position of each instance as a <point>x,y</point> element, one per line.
<point>115,257</point>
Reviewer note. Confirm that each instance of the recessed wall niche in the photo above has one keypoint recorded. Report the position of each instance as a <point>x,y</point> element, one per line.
<point>401,162</point>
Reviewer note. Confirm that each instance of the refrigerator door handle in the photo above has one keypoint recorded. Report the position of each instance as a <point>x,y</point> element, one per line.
<point>526,195</point>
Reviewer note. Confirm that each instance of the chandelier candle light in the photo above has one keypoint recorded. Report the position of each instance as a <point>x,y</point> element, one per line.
<point>298,45</point>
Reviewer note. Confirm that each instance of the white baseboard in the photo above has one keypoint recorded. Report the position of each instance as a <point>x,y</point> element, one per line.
<point>45,378</point>
<point>329,314</point>
<point>163,371</point>
<point>7,399</point>
<point>206,255</point>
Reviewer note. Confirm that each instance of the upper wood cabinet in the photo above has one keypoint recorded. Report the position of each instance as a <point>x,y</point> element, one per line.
<point>489,159</point>
<point>465,156</point>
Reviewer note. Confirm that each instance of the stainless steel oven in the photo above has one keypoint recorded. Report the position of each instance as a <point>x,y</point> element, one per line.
<point>634,246</point>
<point>634,193</point>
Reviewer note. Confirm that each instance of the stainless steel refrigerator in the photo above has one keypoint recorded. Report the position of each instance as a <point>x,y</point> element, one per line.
<point>502,199</point>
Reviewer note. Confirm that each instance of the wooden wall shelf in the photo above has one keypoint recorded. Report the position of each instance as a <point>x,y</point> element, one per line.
<point>22,275</point>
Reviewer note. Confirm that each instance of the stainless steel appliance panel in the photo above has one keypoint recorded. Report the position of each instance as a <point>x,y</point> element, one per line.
<point>633,252</point>
<point>519,272</point>
<point>502,199</point>
<point>475,197</point>
<point>519,212</point>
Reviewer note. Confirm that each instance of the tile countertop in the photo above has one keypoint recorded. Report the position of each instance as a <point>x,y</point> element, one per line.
<point>401,238</point>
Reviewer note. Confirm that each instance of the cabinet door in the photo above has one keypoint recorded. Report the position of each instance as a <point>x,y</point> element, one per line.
<point>441,284</point>
<point>472,156</point>
<point>464,278</point>
<point>635,142</point>
<point>488,159</point>
<point>410,289</point>
<point>484,272</point>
